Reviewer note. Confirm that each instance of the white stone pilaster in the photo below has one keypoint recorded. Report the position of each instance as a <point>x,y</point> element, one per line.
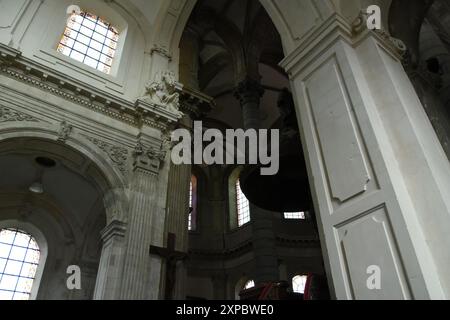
<point>379,177</point>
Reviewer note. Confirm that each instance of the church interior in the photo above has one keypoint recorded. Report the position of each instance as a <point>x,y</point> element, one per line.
<point>93,207</point>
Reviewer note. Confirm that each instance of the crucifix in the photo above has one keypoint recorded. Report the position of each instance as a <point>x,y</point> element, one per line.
<point>171,257</point>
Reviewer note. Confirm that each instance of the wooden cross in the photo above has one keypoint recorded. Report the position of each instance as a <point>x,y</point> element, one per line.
<point>172,257</point>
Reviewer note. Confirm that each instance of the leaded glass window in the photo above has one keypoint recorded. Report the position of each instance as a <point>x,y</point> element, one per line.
<point>243,206</point>
<point>19,259</point>
<point>90,40</point>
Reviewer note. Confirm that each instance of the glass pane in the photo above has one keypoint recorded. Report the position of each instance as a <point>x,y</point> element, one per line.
<point>96,45</point>
<point>91,62</point>
<point>13,268</point>
<point>28,270</point>
<point>21,296</point>
<point>7,236</point>
<point>101,29</point>
<point>94,55</point>
<point>8,282</point>
<point>86,31</point>
<point>77,56</point>
<point>32,256</point>
<point>2,265</point>
<point>18,253</point>
<point>98,37</point>
<point>4,250</point>
<point>24,285</point>
<point>6,295</point>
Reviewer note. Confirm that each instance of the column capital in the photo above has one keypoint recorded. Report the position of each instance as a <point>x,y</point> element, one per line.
<point>150,159</point>
<point>248,90</point>
<point>115,228</point>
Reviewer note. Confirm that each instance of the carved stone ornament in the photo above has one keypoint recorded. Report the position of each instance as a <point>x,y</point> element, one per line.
<point>64,131</point>
<point>150,159</point>
<point>118,155</point>
<point>9,115</point>
<point>163,92</point>
<point>360,24</point>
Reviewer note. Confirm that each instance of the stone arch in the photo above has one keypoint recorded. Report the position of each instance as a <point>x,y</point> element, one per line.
<point>108,179</point>
<point>293,24</point>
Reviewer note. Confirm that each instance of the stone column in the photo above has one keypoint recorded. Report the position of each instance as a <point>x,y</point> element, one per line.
<point>379,178</point>
<point>264,246</point>
<point>109,272</point>
<point>143,205</point>
<point>249,93</point>
<point>193,104</point>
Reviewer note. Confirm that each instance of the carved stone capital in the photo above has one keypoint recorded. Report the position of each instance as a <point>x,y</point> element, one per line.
<point>248,91</point>
<point>115,229</point>
<point>150,159</point>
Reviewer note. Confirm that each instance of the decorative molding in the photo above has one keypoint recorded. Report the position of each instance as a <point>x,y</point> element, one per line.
<point>149,159</point>
<point>25,70</point>
<point>64,132</point>
<point>195,103</point>
<point>118,155</point>
<point>359,25</point>
<point>10,115</point>
<point>162,51</point>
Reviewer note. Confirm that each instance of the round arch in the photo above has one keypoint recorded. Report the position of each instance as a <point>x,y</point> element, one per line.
<point>108,179</point>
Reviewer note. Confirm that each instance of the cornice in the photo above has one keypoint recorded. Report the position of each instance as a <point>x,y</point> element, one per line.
<point>14,65</point>
<point>333,29</point>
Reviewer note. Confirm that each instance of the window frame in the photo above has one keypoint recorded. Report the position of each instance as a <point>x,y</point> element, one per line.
<point>116,30</point>
<point>43,247</point>
<point>233,225</point>
<point>193,216</point>
<point>301,275</point>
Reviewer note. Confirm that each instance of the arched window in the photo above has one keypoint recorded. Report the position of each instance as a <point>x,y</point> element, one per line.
<point>192,221</point>
<point>249,284</point>
<point>19,260</point>
<point>295,215</point>
<point>239,205</point>
<point>90,40</point>
<point>299,283</point>
<point>243,206</point>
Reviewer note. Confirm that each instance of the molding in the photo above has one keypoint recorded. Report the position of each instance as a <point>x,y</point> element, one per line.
<point>195,103</point>
<point>14,65</point>
<point>11,115</point>
<point>161,51</point>
<point>332,30</point>
<point>118,155</point>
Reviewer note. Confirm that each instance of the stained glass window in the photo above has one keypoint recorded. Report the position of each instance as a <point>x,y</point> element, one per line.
<point>19,259</point>
<point>295,215</point>
<point>298,284</point>
<point>243,206</point>
<point>90,40</point>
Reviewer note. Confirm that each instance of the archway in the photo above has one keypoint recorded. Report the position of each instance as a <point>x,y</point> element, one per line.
<point>58,192</point>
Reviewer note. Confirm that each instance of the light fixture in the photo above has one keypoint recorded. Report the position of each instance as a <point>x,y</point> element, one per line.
<point>43,163</point>
<point>37,187</point>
